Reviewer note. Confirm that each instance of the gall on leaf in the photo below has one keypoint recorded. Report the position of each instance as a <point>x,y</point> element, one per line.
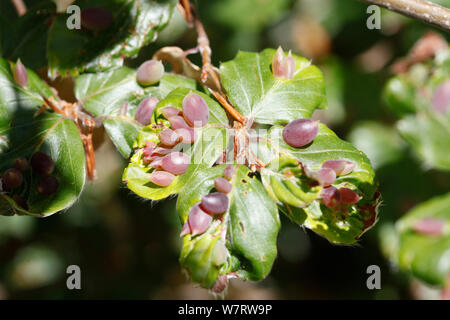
<point>161,178</point>
<point>215,203</point>
<point>145,110</point>
<point>42,164</point>
<point>20,74</point>
<point>282,66</point>
<point>199,221</point>
<point>150,72</point>
<point>12,179</point>
<point>300,132</point>
<point>195,110</point>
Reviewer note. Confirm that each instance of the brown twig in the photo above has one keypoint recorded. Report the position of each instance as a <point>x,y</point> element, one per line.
<point>85,125</point>
<point>84,122</point>
<point>421,10</point>
<point>202,40</point>
<point>205,50</point>
<point>425,48</point>
<point>49,103</point>
<point>182,65</point>
<point>209,74</point>
<point>187,12</point>
<point>89,149</point>
<point>224,102</point>
<point>20,6</point>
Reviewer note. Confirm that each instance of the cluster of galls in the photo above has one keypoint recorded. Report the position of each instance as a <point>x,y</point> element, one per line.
<point>213,204</point>
<point>12,179</point>
<point>164,157</point>
<point>333,197</point>
<point>301,132</point>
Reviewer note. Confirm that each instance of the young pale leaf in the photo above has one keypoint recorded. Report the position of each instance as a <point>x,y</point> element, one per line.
<point>426,254</point>
<point>135,24</point>
<point>328,146</point>
<point>22,133</point>
<point>199,257</point>
<point>285,180</point>
<point>122,132</point>
<point>251,223</point>
<point>204,152</point>
<point>257,94</point>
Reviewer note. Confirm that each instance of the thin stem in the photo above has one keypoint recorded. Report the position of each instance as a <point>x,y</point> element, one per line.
<point>49,103</point>
<point>191,17</point>
<point>208,72</point>
<point>188,13</point>
<point>421,10</point>
<point>231,110</point>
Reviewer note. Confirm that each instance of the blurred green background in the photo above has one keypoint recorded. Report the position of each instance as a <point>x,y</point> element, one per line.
<point>128,248</point>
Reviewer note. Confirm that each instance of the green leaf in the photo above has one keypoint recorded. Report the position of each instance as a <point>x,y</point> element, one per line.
<point>286,182</point>
<point>409,95</point>
<point>104,94</point>
<point>257,94</point>
<point>136,23</point>
<point>204,152</point>
<point>22,133</point>
<point>248,15</point>
<point>426,256</point>
<point>26,37</point>
<point>202,182</point>
<point>251,223</point>
<point>170,82</point>
<point>428,134</point>
<point>122,132</point>
<point>253,226</point>
<point>328,146</point>
<point>399,94</point>
<point>199,257</point>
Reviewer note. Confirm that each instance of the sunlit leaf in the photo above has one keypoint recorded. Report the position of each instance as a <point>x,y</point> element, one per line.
<point>285,180</point>
<point>22,133</point>
<point>258,95</point>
